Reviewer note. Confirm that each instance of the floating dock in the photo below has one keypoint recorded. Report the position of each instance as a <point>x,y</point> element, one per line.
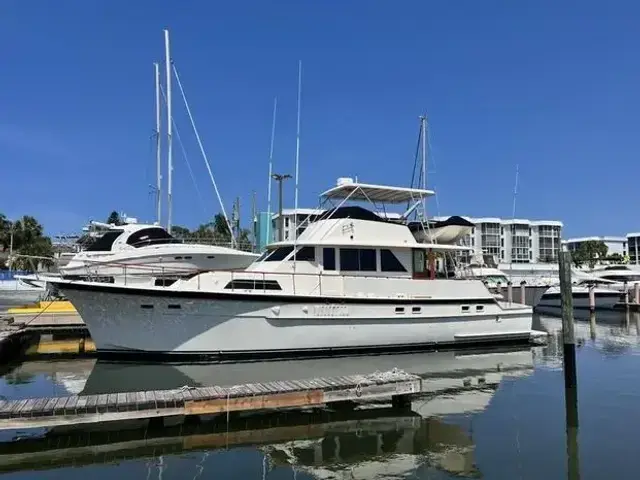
<point>395,385</point>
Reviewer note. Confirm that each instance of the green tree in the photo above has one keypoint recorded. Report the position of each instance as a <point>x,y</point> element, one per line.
<point>114,218</point>
<point>180,232</point>
<point>590,252</point>
<point>615,258</point>
<point>29,240</point>
<point>5,232</point>
<point>221,228</point>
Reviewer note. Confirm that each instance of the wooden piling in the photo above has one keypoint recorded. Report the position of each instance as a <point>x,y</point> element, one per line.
<point>569,363</point>
<point>510,292</point>
<point>523,292</point>
<point>592,298</point>
<point>636,293</point>
<point>626,295</point>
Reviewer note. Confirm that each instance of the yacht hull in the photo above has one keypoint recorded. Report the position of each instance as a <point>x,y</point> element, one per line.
<point>160,321</point>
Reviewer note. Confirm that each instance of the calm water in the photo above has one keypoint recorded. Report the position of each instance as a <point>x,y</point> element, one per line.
<point>495,414</point>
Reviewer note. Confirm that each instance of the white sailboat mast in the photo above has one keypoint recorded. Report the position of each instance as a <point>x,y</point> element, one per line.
<point>169,133</point>
<point>273,134</point>
<point>295,200</point>
<point>158,157</point>
<point>423,120</point>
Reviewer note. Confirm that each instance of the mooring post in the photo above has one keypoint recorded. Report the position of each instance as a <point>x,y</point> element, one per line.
<point>510,291</point>
<point>592,298</point>
<point>569,364</point>
<point>523,292</point>
<point>626,294</point>
<point>636,293</point>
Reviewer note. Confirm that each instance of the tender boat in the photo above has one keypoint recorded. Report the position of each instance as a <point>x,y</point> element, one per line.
<point>351,281</point>
<point>448,231</point>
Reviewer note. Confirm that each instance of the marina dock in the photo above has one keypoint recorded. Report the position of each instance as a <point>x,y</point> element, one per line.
<point>396,386</point>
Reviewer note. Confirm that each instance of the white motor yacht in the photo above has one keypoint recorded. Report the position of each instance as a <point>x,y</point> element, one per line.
<point>139,253</point>
<point>352,280</point>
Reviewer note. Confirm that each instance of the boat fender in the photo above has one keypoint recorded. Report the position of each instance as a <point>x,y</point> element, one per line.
<point>275,310</point>
<point>305,309</point>
<point>498,319</point>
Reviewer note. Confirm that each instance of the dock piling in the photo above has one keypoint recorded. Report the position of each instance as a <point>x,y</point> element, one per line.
<point>510,292</point>
<point>569,363</point>
<point>523,292</point>
<point>592,298</point>
<point>636,293</point>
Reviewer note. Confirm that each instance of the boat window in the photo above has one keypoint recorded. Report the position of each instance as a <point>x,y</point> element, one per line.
<point>264,255</point>
<point>250,284</point>
<point>104,243</point>
<point>150,236</point>
<point>305,254</point>
<point>279,254</point>
<point>329,258</point>
<point>358,259</point>
<point>389,262</point>
<point>368,260</point>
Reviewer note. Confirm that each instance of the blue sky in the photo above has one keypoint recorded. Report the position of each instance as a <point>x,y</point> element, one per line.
<point>551,86</point>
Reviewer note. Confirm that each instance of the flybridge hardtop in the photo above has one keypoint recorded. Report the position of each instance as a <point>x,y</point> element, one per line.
<point>357,226</point>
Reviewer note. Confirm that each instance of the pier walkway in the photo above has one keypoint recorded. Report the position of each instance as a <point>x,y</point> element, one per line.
<point>394,385</point>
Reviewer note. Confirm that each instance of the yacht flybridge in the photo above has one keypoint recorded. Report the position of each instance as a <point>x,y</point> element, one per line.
<point>136,253</point>
<point>352,280</point>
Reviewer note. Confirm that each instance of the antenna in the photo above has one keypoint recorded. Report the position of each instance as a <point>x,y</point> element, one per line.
<point>169,133</point>
<point>273,134</point>
<point>158,159</point>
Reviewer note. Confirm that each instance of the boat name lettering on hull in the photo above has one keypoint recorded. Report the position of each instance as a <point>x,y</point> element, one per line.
<point>330,310</point>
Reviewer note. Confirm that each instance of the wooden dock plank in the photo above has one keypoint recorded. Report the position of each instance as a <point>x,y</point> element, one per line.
<point>70,406</point>
<point>101,403</point>
<point>17,406</point>
<point>49,406</point>
<point>123,403</point>
<point>112,402</point>
<point>92,402</point>
<point>27,409</point>
<point>58,409</point>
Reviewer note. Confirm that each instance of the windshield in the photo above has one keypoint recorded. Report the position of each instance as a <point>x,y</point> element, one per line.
<point>151,236</point>
<point>495,279</point>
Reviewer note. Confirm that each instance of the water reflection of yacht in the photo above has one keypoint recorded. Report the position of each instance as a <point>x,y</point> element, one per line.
<point>445,369</point>
<point>432,443</point>
<point>69,375</point>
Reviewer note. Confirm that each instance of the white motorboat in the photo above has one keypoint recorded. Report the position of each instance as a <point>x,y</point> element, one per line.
<point>139,253</point>
<point>352,280</point>
<point>607,294</point>
<point>609,285</point>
